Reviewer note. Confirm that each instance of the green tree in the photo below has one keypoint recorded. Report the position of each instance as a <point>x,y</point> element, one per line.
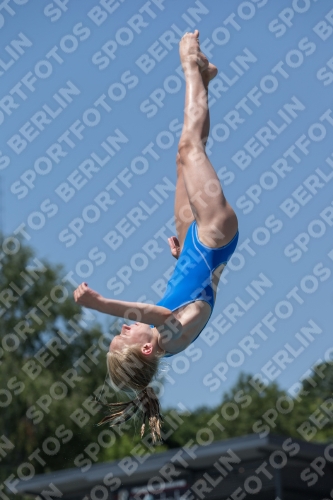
<point>313,418</point>
<point>240,412</point>
<point>52,368</point>
<point>52,362</point>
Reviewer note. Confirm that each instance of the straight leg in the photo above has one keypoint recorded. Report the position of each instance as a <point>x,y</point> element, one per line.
<point>183,210</point>
<point>217,222</point>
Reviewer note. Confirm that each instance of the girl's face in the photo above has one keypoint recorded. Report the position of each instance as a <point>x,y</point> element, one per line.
<point>137,333</point>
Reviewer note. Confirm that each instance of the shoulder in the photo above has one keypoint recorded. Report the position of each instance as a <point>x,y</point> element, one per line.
<point>193,318</point>
<point>169,332</point>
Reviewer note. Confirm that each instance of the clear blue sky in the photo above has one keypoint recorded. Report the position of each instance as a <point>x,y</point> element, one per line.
<point>119,63</point>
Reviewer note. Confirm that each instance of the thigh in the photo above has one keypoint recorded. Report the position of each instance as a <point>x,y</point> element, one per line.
<point>183,211</point>
<point>220,229</point>
<point>216,220</point>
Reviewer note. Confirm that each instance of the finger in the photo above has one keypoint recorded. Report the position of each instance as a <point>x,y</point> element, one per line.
<point>176,245</point>
<point>196,33</point>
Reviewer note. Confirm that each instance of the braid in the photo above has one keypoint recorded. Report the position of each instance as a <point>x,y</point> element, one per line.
<point>152,413</point>
<point>130,370</point>
<point>146,403</point>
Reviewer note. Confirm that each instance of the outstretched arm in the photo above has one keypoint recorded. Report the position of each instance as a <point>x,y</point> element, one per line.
<point>137,311</point>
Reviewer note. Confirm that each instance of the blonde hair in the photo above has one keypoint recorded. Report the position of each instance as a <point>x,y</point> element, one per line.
<point>129,369</point>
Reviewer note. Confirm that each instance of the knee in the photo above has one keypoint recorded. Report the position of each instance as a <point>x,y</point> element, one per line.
<point>179,165</point>
<point>182,154</point>
<point>188,150</point>
<point>184,147</point>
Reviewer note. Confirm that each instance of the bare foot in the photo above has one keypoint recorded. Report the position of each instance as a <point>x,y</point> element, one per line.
<point>208,74</point>
<point>190,54</point>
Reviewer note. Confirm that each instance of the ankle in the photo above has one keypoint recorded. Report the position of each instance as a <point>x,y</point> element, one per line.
<point>191,70</point>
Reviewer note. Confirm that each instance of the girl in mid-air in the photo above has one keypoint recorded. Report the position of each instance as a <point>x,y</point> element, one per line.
<point>206,240</point>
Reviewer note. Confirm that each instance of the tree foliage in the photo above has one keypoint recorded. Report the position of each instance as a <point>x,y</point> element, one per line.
<point>52,368</point>
<point>52,364</point>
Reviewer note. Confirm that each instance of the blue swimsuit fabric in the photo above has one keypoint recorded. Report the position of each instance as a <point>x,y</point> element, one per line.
<point>193,275</point>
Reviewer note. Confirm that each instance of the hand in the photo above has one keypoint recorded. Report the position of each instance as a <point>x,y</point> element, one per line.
<point>87,297</point>
<point>174,246</point>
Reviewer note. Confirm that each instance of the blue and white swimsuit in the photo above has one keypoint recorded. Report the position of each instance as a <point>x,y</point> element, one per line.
<point>193,275</point>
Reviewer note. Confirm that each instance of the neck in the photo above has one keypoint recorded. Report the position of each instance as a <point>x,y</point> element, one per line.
<point>156,336</point>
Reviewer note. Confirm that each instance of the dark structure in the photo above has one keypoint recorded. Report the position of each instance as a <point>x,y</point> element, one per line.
<point>270,468</point>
